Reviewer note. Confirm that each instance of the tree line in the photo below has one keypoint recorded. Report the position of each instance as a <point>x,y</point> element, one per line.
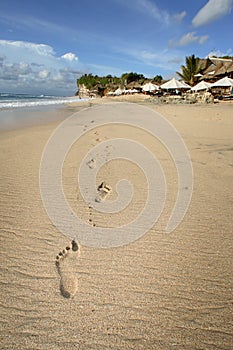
<point>90,80</point>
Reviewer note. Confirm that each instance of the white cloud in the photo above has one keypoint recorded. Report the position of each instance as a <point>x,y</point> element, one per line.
<point>40,49</point>
<point>2,58</point>
<point>202,39</point>
<point>176,60</point>
<point>153,10</point>
<point>188,39</point>
<point>147,55</point>
<point>27,66</point>
<point>148,8</point>
<point>161,59</point>
<point>218,53</point>
<point>178,17</point>
<point>105,69</point>
<point>212,11</point>
<point>70,57</point>
<point>14,71</point>
<point>43,74</point>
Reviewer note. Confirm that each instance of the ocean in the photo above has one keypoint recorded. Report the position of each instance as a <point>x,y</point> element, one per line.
<point>20,110</point>
<point>8,100</point>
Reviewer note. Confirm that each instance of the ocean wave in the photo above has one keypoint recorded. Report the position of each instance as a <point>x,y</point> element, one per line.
<point>8,101</point>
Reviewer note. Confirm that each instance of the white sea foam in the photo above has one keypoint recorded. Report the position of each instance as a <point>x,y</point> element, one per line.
<point>8,101</point>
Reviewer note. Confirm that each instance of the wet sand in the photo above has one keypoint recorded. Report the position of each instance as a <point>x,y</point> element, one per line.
<point>160,292</point>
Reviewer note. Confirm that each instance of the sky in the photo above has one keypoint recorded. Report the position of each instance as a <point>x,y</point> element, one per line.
<point>46,45</point>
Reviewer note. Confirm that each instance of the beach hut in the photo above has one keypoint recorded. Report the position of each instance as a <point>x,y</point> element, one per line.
<point>149,87</point>
<point>223,88</point>
<point>203,85</point>
<point>214,68</point>
<point>175,84</point>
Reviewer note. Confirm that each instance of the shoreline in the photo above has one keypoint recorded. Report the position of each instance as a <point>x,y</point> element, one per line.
<point>19,118</point>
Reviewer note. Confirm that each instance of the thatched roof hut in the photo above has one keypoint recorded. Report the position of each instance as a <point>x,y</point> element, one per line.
<point>218,68</point>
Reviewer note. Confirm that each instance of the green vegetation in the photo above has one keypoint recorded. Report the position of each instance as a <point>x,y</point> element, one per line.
<point>90,81</point>
<point>128,78</point>
<point>108,81</point>
<point>190,70</point>
<point>158,79</point>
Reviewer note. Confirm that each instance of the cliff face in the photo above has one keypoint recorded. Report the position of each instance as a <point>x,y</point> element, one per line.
<point>84,92</point>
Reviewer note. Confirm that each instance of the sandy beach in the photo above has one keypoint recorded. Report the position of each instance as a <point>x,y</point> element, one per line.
<point>162,291</point>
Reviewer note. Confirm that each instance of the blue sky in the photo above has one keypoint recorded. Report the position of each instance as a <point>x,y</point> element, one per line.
<point>45,45</point>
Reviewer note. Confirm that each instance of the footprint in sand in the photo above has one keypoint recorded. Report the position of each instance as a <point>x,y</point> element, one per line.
<point>102,191</point>
<point>65,262</point>
<point>91,163</point>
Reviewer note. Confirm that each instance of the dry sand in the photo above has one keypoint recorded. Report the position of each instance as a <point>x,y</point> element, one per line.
<point>160,292</point>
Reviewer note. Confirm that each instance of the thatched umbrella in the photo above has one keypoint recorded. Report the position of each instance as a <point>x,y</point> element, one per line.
<point>150,87</point>
<point>131,91</point>
<point>203,85</point>
<point>224,82</point>
<point>175,84</point>
<point>118,92</point>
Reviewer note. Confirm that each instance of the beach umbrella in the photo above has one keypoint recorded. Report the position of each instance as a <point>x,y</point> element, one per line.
<point>150,87</point>
<point>131,91</point>
<point>203,85</point>
<point>224,82</point>
<point>118,92</point>
<point>175,84</point>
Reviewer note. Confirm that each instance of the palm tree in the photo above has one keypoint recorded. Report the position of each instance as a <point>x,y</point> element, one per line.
<point>190,70</point>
